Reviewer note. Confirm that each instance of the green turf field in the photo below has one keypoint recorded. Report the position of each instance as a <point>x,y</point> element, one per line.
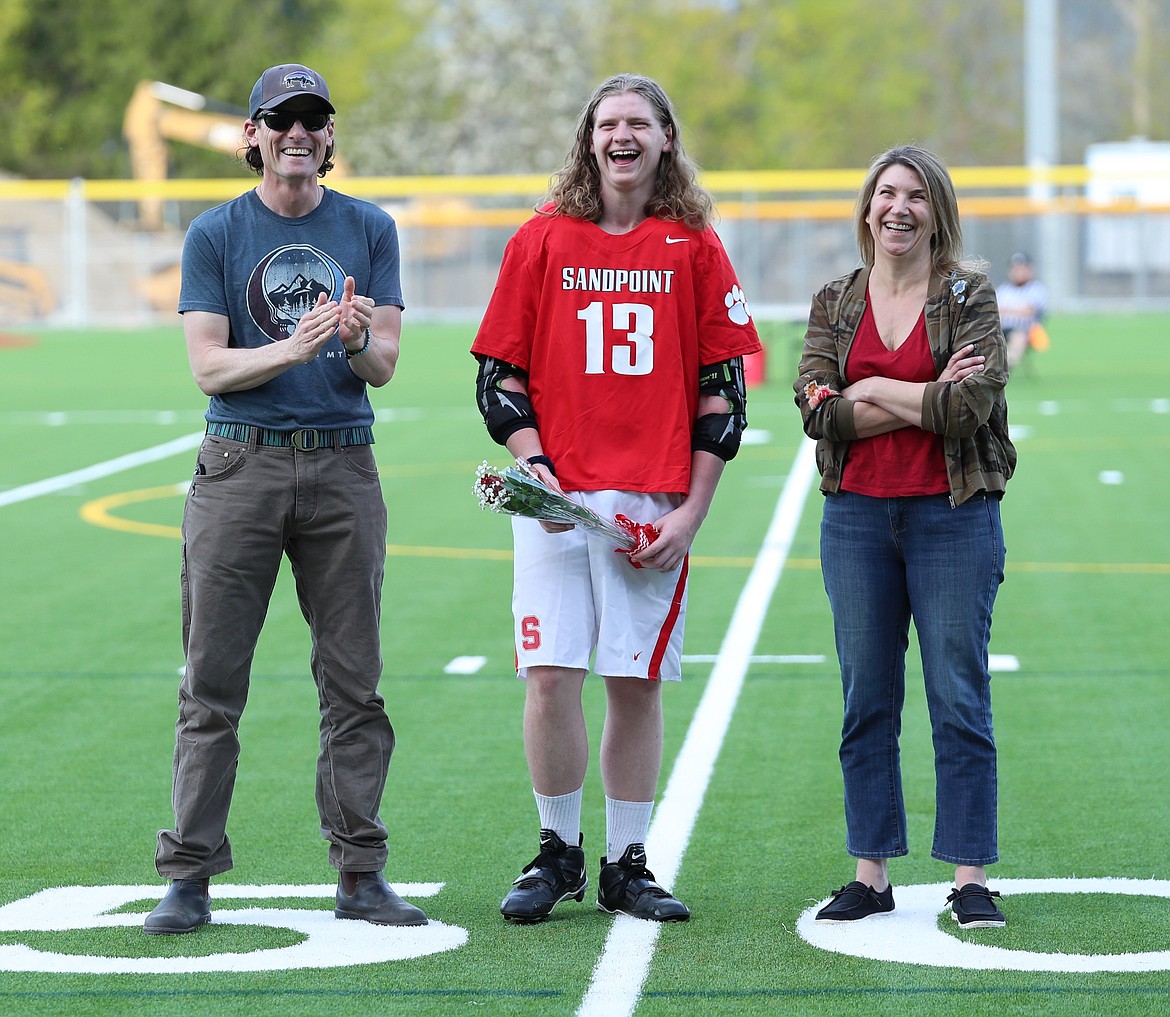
<point>90,653</point>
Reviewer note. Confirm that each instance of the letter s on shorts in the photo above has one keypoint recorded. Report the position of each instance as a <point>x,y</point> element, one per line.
<point>530,633</point>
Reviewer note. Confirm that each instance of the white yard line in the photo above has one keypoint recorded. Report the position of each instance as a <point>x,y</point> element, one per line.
<point>99,470</point>
<point>621,970</point>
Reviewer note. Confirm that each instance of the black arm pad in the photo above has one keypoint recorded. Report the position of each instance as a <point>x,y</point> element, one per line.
<point>716,433</point>
<point>503,412</point>
<point>720,433</point>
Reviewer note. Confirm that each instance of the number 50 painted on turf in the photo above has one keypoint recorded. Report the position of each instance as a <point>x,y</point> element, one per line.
<point>326,943</point>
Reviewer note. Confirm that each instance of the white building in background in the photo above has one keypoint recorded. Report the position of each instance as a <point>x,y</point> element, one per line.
<point>1136,171</point>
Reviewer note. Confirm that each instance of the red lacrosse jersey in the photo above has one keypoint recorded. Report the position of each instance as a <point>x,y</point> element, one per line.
<point>612,331</point>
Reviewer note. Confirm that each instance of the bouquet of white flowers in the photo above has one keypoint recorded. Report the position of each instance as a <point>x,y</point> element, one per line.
<point>517,491</point>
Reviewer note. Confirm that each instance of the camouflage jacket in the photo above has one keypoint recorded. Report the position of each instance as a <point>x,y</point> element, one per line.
<point>971,415</point>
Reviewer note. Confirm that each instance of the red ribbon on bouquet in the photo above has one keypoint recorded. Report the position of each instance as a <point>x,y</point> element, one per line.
<point>642,534</point>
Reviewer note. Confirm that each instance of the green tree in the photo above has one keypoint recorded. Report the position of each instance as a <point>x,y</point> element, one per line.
<point>364,42</point>
<point>806,84</point>
<point>77,65</point>
<point>1113,75</point>
<point>486,88</point>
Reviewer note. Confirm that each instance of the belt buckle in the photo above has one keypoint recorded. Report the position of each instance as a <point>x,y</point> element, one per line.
<point>306,439</point>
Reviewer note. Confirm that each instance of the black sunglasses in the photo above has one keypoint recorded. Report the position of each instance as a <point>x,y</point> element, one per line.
<point>281,122</point>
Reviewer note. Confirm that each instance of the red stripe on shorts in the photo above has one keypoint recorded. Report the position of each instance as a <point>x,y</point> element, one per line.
<point>671,620</point>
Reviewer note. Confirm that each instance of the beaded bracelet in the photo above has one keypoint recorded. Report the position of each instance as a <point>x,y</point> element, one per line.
<point>349,355</point>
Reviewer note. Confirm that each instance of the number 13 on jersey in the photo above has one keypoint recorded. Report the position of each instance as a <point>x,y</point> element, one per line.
<point>632,352</point>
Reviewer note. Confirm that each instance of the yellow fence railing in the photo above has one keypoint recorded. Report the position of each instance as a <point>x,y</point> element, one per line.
<point>770,194</point>
<point>79,251</point>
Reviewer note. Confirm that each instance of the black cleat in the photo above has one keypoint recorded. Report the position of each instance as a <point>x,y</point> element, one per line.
<point>627,887</point>
<point>554,875</point>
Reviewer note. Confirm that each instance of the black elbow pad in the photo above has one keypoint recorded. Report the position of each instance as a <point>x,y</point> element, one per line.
<point>503,412</point>
<point>721,433</point>
<point>716,433</point>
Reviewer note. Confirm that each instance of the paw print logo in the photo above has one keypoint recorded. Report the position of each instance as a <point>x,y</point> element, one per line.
<point>737,308</point>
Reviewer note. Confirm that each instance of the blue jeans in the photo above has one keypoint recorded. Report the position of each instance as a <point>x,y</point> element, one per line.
<point>886,561</point>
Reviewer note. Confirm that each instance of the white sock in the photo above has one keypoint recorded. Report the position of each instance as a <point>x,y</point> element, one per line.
<point>626,823</point>
<point>561,814</point>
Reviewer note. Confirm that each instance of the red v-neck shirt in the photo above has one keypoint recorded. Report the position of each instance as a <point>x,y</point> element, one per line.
<point>909,461</point>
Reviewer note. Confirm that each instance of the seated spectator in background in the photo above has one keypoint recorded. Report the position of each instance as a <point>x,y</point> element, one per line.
<point>1023,301</point>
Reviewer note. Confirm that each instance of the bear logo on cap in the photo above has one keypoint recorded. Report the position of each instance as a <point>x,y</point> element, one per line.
<point>299,79</point>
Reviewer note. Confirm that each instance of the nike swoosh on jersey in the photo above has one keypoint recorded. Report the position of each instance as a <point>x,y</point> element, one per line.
<point>678,240</point>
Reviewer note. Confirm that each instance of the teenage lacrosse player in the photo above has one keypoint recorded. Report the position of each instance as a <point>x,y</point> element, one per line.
<point>610,358</point>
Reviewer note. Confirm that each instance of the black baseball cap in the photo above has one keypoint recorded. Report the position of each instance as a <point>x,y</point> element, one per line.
<point>285,82</point>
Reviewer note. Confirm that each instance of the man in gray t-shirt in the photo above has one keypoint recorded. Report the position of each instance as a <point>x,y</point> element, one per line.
<point>291,307</point>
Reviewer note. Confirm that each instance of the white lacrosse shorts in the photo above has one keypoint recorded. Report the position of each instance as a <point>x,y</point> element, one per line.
<point>576,599</point>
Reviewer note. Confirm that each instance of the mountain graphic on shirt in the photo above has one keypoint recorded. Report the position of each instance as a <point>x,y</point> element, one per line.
<point>296,297</point>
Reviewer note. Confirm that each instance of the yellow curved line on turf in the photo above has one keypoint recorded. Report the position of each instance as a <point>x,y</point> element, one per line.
<point>99,513</point>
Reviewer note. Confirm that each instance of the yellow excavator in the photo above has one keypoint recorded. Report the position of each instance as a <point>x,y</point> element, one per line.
<point>159,113</point>
<point>25,293</point>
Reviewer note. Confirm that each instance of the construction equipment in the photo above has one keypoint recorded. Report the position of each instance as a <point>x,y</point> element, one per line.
<point>158,113</point>
<point>25,293</point>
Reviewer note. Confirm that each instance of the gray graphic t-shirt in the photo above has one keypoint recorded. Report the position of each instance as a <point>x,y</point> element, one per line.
<point>263,271</point>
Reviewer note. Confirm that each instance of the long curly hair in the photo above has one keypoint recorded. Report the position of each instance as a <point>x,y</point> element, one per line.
<point>576,188</point>
<point>947,243</point>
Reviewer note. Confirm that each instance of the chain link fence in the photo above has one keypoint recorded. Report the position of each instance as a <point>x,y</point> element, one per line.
<point>73,253</point>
